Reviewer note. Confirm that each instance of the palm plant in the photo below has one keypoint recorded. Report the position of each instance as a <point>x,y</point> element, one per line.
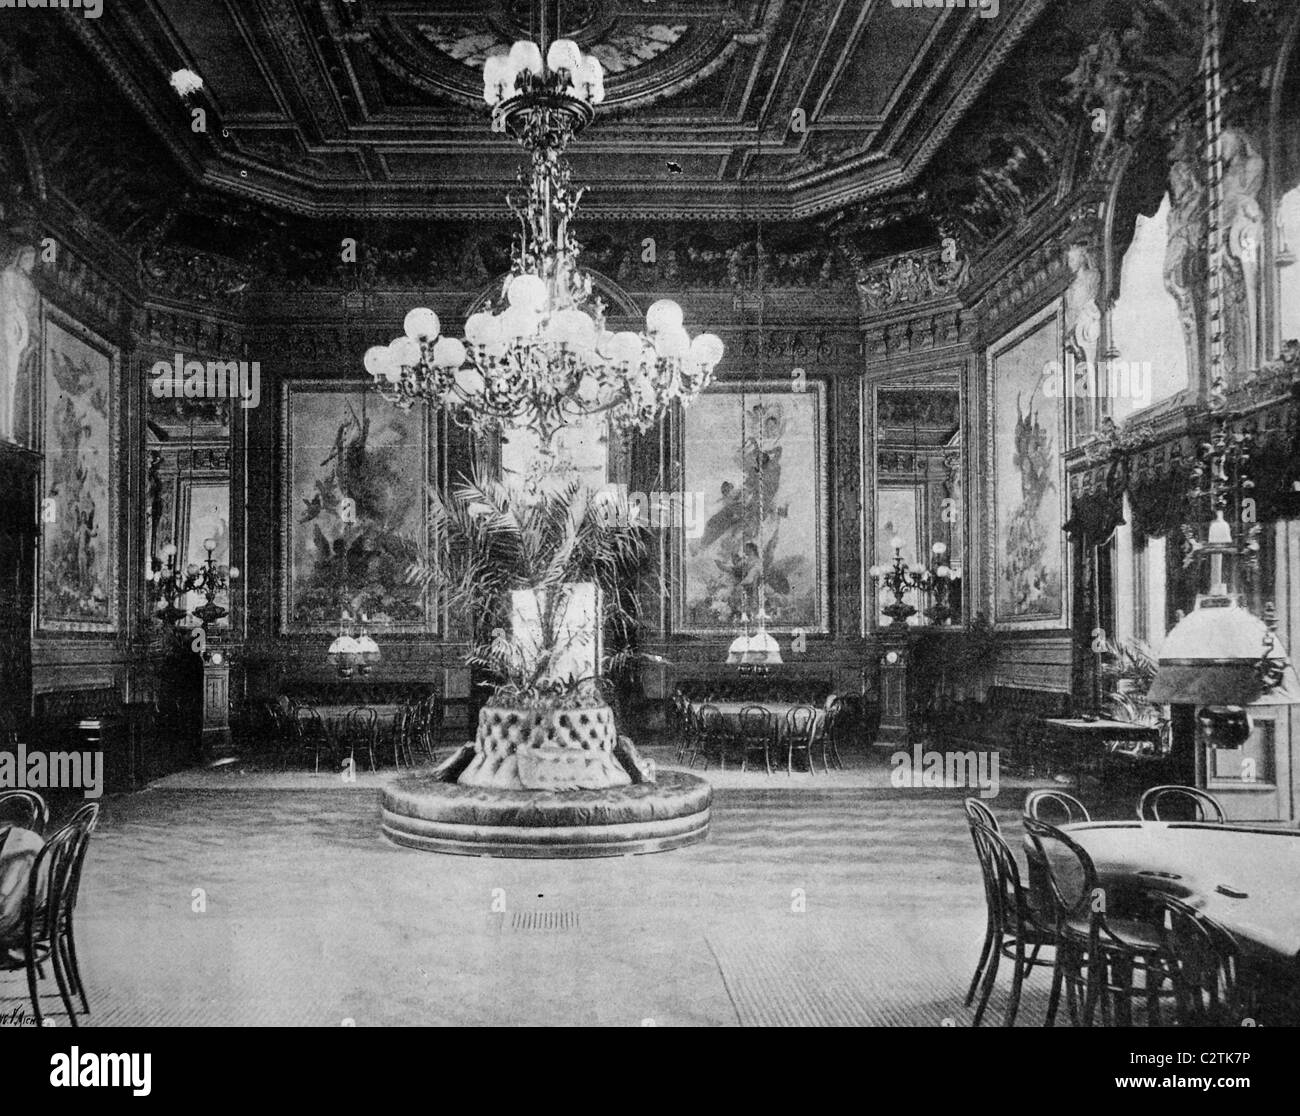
<point>1128,668</point>
<point>491,539</point>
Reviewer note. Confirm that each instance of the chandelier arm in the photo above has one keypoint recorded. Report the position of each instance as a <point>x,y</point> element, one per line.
<point>542,349</point>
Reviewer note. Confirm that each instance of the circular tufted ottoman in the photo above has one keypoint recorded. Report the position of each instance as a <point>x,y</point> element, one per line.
<point>424,812</point>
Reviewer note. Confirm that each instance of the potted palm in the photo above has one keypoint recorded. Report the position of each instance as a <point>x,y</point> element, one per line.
<point>539,579</point>
<point>1128,667</point>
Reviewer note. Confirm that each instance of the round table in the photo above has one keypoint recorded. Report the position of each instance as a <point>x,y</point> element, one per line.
<point>1245,878</point>
<point>730,710</point>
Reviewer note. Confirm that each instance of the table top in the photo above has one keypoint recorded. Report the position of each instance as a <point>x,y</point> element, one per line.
<point>1245,878</point>
<point>1100,726</point>
<point>339,712</point>
<point>733,708</point>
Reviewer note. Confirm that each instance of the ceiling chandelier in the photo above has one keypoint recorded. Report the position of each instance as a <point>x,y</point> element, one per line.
<point>539,355</point>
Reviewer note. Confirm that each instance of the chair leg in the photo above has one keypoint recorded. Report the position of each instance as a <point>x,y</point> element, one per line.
<point>80,986</point>
<point>990,978</point>
<point>767,757</point>
<point>61,978</point>
<point>1054,996</point>
<point>32,969</point>
<point>989,935</point>
<point>1017,982</point>
<point>1094,991</point>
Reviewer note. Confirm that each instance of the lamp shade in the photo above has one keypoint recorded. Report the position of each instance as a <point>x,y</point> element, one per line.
<point>739,650</point>
<point>763,648</point>
<point>1221,654</point>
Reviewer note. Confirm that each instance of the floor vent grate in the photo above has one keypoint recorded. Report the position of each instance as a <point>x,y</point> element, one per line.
<point>550,921</point>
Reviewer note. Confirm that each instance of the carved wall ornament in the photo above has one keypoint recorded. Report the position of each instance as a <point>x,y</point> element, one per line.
<point>1185,252</point>
<point>177,272</point>
<point>1082,313</point>
<point>1243,220</point>
<point>1114,99</point>
<point>82,289</point>
<point>907,279</point>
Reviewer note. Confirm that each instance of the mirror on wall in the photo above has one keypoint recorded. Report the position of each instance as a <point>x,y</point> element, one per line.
<point>187,502</point>
<point>918,520</point>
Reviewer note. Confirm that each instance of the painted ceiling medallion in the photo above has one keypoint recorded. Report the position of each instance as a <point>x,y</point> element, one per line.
<point>619,50</point>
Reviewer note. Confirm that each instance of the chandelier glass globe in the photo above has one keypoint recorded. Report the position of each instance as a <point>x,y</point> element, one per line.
<point>539,355</point>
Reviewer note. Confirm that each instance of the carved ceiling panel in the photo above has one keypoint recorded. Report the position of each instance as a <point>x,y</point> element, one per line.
<point>315,105</point>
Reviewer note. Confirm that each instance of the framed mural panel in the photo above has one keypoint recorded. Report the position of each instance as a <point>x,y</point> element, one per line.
<point>1026,490</point>
<point>356,474</point>
<point>78,586</point>
<point>753,456</point>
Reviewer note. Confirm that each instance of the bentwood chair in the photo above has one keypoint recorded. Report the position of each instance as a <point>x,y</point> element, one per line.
<point>712,736</point>
<point>826,732</point>
<point>1046,802</point>
<point>976,811</point>
<point>1188,804</point>
<point>757,727</point>
<point>278,726</point>
<point>312,734</point>
<point>25,809</point>
<point>361,726</point>
<point>1013,925</point>
<point>1208,991</point>
<point>430,726</point>
<point>683,725</point>
<point>1098,955</point>
<point>400,734</point>
<point>800,723</point>
<point>46,930</point>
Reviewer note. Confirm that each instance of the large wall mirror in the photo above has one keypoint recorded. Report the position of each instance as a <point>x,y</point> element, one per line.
<point>187,495</point>
<point>918,518</point>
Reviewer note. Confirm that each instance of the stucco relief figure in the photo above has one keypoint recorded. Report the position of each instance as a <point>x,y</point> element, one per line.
<point>1243,178</point>
<point>1082,314</point>
<point>1184,257</point>
<point>17,341</point>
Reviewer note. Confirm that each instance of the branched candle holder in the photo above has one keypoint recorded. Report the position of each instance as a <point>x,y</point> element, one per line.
<point>209,578</point>
<point>901,578</point>
<point>171,585</point>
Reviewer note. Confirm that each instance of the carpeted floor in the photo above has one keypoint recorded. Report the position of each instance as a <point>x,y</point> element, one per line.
<point>253,902</point>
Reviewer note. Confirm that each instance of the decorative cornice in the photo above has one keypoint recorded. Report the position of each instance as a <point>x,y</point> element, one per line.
<point>923,332</point>
<point>907,279</point>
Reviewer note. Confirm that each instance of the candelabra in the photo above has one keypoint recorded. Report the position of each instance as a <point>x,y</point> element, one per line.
<point>168,586</point>
<point>172,584</point>
<point>209,578</point>
<point>937,580</point>
<point>901,578</point>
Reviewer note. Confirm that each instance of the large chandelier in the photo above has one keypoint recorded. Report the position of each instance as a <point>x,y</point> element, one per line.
<point>539,355</point>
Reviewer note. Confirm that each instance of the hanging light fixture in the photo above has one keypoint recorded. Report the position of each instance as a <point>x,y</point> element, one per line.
<point>539,355</point>
<point>1220,656</point>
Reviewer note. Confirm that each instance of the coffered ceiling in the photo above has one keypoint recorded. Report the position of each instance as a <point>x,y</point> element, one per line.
<point>334,107</point>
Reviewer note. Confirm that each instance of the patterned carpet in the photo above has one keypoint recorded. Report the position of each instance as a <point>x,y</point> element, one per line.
<point>271,906</point>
